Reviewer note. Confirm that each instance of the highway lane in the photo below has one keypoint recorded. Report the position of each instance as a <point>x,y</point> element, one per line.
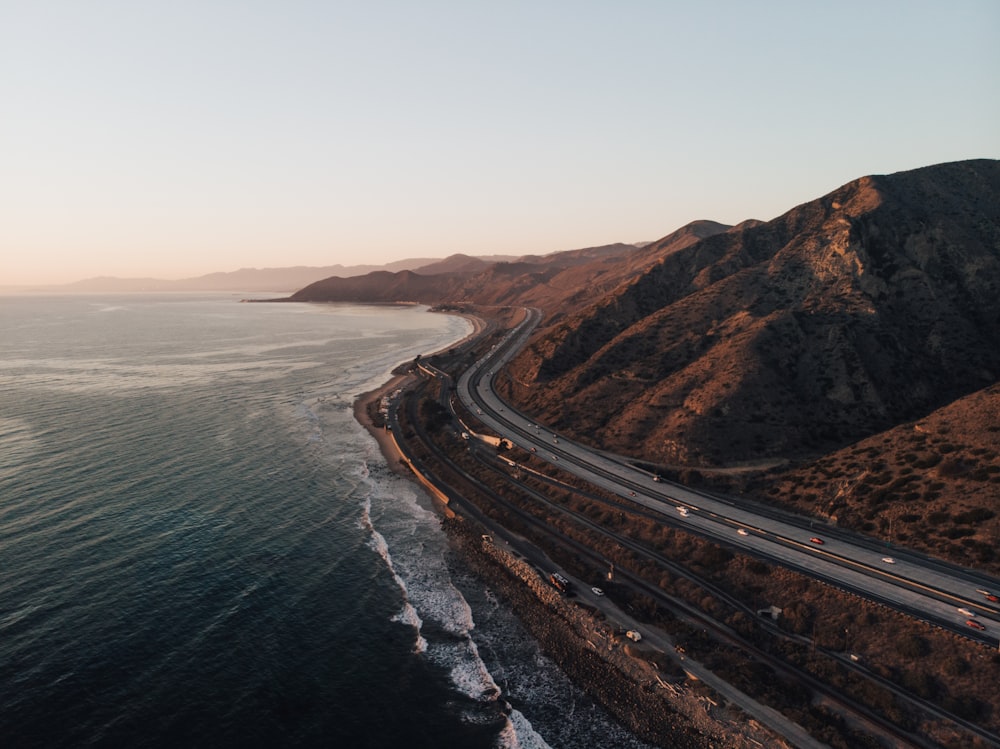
<point>933,591</point>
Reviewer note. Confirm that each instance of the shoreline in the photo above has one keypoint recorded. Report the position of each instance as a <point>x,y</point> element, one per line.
<point>366,403</point>
<point>619,677</point>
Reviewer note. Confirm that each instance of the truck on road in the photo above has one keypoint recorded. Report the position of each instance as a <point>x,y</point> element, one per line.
<point>559,582</point>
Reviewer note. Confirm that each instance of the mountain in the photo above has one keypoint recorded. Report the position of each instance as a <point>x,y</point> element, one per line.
<point>847,315</point>
<point>461,264</point>
<point>558,282</point>
<point>462,279</point>
<point>245,279</point>
<point>383,287</point>
<point>561,283</point>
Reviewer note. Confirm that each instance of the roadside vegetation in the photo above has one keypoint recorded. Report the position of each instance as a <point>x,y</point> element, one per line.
<point>932,485</point>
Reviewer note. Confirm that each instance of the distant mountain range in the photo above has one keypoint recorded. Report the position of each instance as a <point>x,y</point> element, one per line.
<point>249,279</point>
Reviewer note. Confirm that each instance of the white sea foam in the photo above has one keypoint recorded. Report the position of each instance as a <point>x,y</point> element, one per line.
<point>420,568</point>
<point>409,614</point>
<point>98,375</point>
<point>519,734</point>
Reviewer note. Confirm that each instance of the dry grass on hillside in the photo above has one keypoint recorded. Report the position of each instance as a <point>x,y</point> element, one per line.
<point>933,485</point>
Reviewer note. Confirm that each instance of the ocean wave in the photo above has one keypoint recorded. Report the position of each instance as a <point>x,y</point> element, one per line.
<point>446,622</point>
<point>410,617</point>
<point>377,542</point>
<point>519,734</point>
<point>18,445</point>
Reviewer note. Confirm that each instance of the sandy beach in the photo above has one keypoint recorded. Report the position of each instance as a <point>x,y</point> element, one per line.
<point>365,407</point>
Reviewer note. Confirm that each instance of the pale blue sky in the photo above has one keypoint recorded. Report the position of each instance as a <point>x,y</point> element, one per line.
<point>177,138</point>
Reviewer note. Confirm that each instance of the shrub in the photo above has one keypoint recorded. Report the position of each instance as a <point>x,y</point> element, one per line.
<point>912,646</point>
<point>959,532</point>
<point>797,617</point>
<point>975,515</point>
<point>951,468</point>
<point>956,666</point>
<point>920,683</point>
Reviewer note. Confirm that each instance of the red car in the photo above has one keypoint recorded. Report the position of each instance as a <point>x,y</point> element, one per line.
<point>974,624</point>
<point>817,540</point>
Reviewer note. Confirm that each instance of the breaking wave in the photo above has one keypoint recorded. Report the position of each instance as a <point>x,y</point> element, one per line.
<point>440,615</point>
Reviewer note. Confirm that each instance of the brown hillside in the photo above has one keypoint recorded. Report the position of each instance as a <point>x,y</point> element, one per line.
<point>931,485</point>
<point>871,306</point>
<point>382,286</point>
<point>493,281</point>
<point>558,283</point>
<point>565,282</point>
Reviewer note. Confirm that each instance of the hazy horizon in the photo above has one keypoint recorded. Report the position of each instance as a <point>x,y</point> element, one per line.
<point>179,140</point>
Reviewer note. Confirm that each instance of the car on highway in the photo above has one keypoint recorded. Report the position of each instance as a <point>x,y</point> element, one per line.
<point>966,612</point>
<point>888,560</point>
<point>597,591</point>
<point>817,540</point>
<point>974,624</point>
<point>743,532</point>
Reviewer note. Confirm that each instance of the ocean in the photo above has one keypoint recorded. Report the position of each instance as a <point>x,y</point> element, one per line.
<point>200,546</point>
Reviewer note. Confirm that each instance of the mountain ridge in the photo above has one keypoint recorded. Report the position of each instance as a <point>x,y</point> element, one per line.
<point>276,279</point>
<point>871,305</point>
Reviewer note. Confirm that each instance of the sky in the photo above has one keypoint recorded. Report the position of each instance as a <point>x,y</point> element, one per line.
<point>175,138</point>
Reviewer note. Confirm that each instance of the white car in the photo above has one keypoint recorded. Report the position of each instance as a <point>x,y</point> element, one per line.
<point>966,612</point>
<point>597,591</point>
<point>888,560</point>
<point>743,532</point>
